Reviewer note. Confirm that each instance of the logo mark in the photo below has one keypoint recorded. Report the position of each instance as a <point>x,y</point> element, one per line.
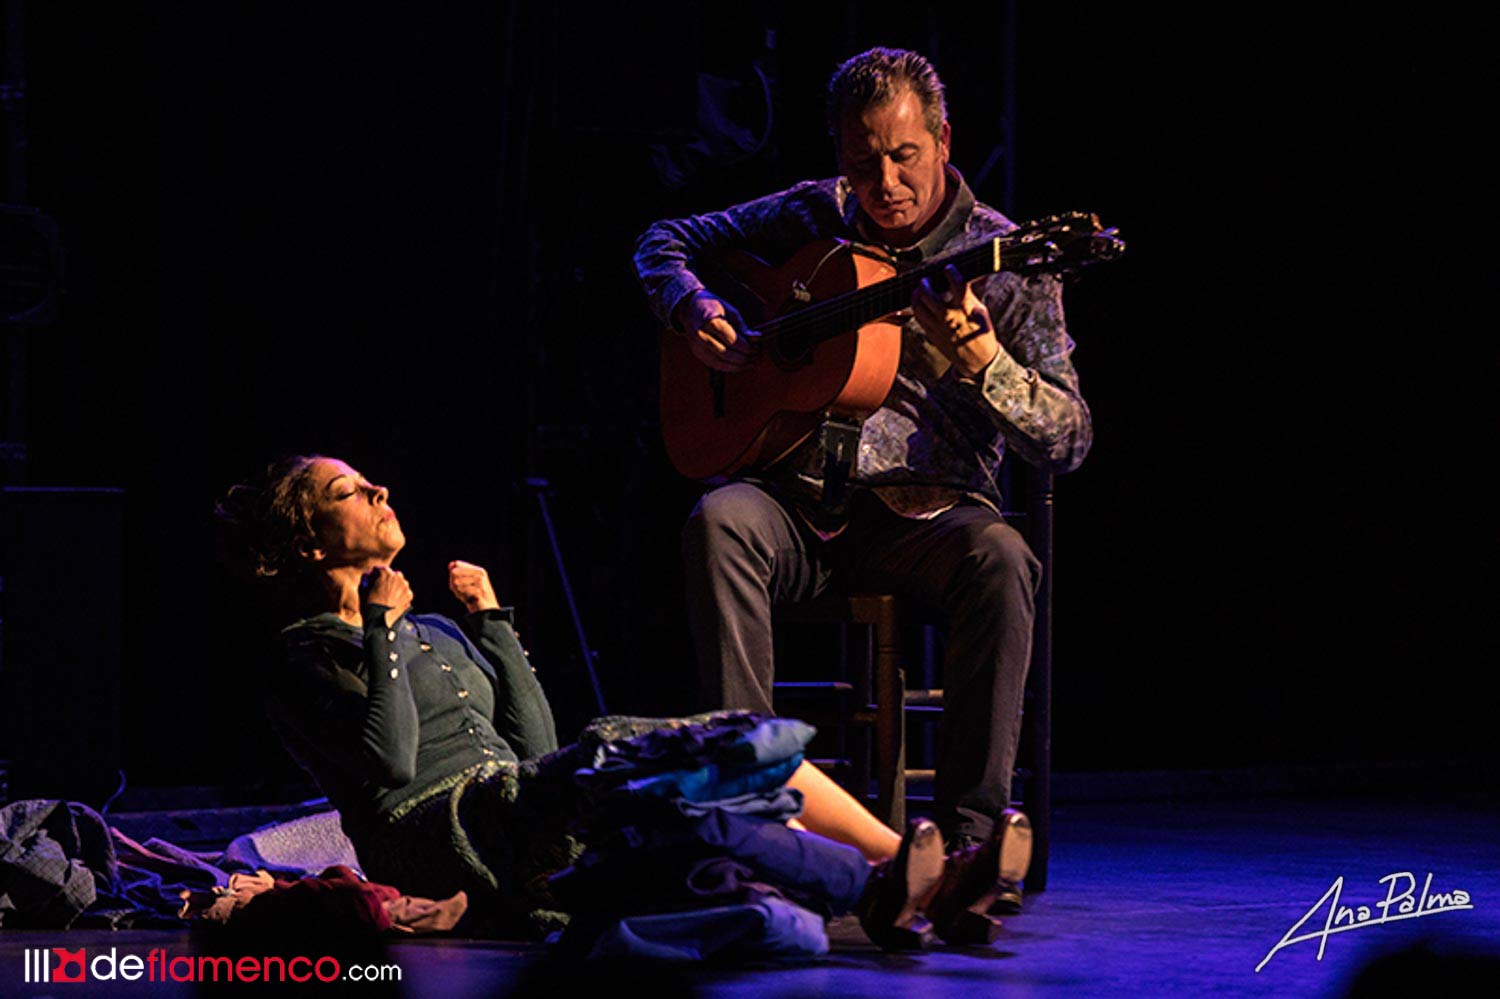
<point>68,959</point>
<point>70,964</point>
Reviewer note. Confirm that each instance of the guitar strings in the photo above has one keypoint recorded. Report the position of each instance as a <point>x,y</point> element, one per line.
<point>864,305</point>
<point>859,306</point>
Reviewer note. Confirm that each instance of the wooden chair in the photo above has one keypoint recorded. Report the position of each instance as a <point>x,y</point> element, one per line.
<point>871,700</point>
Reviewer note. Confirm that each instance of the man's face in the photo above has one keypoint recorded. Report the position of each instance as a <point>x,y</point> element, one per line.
<point>895,165</point>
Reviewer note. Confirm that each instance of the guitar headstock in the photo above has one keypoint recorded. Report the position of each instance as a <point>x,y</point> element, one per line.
<point>1060,244</point>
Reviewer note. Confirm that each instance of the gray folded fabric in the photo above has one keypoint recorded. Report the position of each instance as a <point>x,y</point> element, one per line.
<point>300,847</point>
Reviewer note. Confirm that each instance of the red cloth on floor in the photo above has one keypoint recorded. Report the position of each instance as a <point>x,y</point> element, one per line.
<point>335,902</point>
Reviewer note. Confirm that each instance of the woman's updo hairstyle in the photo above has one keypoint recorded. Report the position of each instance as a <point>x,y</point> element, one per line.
<point>265,524</point>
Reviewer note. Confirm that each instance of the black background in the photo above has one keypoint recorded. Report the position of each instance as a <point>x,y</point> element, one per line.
<point>401,235</point>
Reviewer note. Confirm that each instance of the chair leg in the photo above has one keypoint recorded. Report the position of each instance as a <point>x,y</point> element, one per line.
<point>1039,703</point>
<point>862,756</point>
<point>890,710</point>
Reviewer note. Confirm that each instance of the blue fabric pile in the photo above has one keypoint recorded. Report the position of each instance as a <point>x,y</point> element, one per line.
<point>690,857</point>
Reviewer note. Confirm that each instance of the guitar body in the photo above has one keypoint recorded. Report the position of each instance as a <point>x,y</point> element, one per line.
<point>715,424</point>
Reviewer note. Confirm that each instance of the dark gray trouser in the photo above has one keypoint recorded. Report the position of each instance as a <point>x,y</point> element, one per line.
<point>745,553</point>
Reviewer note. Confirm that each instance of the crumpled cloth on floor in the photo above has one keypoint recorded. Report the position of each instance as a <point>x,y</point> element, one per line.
<point>616,749</point>
<point>736,762</point>
<point>62,866</point>
<point>769,926</point>
<point>658,865</point>
<point>668,909</point>
<point>56,860</point>
<point>690,857</point>
<point>337,901</point>
<point>295,848</point>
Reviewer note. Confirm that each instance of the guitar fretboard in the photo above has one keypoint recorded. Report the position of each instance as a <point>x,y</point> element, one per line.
<point>832,316</point>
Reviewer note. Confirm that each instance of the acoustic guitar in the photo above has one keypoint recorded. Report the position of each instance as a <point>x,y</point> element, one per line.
<point>829,321</point>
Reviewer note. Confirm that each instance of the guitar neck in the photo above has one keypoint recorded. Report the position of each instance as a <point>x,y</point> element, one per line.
<point>1059,243</point>
<point>865,305</point>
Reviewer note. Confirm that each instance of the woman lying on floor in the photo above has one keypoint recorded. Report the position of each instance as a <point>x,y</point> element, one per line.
<point>437,745</point>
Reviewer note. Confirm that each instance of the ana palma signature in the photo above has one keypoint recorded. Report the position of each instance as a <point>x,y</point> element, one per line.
<point>1343,917</point>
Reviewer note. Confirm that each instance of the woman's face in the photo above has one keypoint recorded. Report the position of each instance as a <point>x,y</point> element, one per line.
<point>353,522</point>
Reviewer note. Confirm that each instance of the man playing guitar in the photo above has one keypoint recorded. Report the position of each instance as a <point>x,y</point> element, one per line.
<point>984,366</point>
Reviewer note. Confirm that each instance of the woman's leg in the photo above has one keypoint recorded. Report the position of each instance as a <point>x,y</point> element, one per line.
<point>829,810</point>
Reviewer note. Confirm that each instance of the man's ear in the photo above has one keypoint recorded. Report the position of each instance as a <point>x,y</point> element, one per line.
<point>310,552</point>
<point>945,140</point>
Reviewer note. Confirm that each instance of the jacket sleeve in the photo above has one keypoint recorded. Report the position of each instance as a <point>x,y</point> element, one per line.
<point>1030,391</point>
<point>523,717</point>
<point>669,254</point>
<point>365,726</point>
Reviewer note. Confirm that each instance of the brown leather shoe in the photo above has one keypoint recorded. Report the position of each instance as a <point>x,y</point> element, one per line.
<point>980,877</point>
<point>1008,894</point>
<point>891,908</point>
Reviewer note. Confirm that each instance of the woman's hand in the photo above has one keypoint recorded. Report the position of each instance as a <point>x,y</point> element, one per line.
<point>388,588</point>
<point>471,585</point>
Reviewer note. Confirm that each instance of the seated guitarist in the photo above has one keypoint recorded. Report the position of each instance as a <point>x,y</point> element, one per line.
<point>983,368</point>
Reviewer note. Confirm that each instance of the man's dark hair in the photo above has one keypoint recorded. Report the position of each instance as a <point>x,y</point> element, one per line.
<point>877,77</point>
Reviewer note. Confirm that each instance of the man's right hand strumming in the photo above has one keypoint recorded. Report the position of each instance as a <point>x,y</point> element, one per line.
<point>716,334</point>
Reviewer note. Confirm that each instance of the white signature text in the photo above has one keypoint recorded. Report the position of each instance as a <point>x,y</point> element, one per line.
<point>1399,903</point>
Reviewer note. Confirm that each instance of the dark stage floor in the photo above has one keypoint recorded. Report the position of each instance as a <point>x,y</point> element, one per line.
<point>1147,899</point>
